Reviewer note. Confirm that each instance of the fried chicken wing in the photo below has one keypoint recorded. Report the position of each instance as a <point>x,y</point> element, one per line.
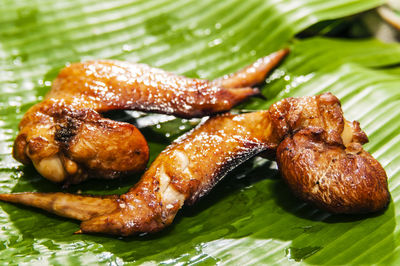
<point>183,172</point>
<point>68,141</point>
<point>318,152</point>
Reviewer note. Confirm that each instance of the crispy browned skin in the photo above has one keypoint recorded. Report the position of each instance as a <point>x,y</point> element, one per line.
<point>183,172</point>
<point>313,142</point>
<point>68,141</point>
<point>68,145</point>
<point>322,159</point>
<point>109,85</point>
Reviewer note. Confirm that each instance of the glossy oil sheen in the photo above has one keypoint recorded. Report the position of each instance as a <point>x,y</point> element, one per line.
<point>250,217</point>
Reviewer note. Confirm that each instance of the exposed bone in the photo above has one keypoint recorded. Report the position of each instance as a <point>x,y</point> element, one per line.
<point>51,168</point>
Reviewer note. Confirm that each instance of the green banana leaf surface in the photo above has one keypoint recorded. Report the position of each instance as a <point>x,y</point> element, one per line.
<point>251,217</point>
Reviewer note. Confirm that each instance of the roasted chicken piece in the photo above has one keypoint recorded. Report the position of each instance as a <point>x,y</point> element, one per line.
<point>321,156</point>
<point>68,141</point>
<point>318,152</point>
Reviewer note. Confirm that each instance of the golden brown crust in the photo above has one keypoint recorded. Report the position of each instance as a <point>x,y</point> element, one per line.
<point>189,168</point>
<point>68,141</point>
<point>318,152</point>
<point>330,176</point>
<point>87,144</point>
<point>323,111</point>
<point>108,85</point>
<point>312,157</point>
<point>252,74</point>
<point>319,165</point>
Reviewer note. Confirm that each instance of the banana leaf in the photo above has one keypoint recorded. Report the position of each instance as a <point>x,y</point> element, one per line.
<point>251,217</point>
